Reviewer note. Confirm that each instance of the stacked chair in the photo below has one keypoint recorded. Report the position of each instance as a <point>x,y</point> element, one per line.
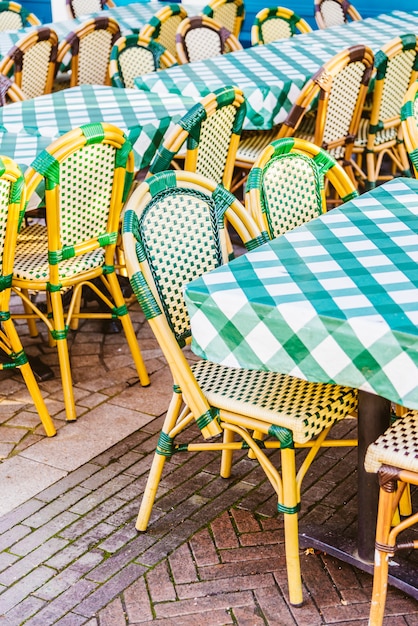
<point>200,37</point>
<point>76,248</point>
<point>132,56</point>
<point>163,26</point>
<point>13,17</point>
<point>75,8</point>
<point>174,230</point>
<point>228,13</point>
<point>277,23</point>
<point>31,63</point>
<point>409,123</point>
<point>330,13</point>
<point>12,207</point>
<point>379,135</point>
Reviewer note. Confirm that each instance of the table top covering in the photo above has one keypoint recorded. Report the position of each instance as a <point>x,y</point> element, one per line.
<point>272,75</point>
<point>334,300</point>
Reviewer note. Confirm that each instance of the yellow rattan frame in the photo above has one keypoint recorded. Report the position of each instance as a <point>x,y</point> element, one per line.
<point>228,13</point>
<point>32,62</point>
<point>58,244</point>
<point>348,12</point>
<point>163,26</point>
<point>291,24</point>
<point>17,13</point>
<point>409,123</point>
<point>99,6</point>
<point>89,70</point>
<point>13,206</point>
<point>201,23</point>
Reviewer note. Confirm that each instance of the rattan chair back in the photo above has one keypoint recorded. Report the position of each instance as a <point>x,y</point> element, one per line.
<point>9,91</point>
<point>200,37</point>
<point>89,46</point>
<point>133,56</point>
<point>330,13</point>
<point>228,13</point>
<point>75,8</point>
<point>173,232</point>
<point>87,175</point>
<point>393,457</point>
<point>13,17</point>
<point>31,63</point>
<point>12,208</point>
<point>211,131</point>
<point>299,170</point>
<point>277,23</point>
<point>409,123</point>
<point>163,26</point>
<point>396,66</point>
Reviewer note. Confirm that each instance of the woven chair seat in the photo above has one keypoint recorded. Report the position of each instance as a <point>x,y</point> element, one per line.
<point>398,446</point>
<point>252,144</point>
<point>388,134</point>
<point>32,262</point>
<point>279,399</point>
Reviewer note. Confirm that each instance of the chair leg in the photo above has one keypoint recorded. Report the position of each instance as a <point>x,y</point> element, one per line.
<point>226,459</point>
<point>289,507</point>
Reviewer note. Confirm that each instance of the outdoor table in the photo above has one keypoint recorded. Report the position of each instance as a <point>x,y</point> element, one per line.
<point>29,126</point>
<point>273,75</point>
<point>332,301</point>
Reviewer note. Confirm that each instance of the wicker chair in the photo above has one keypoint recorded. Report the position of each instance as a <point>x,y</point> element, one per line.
<point>212,130</point>
<point>396,67</point>
<point>163,26</point>
<point>31,63</point>
<point>77,246</point>
<point>394,458</point>
<point>339,89</point>
<point>228,13</point>
<point>300,170</point>
<point>330,13</point>
<point>9,91</point>
<point>89,47</point>
<point>409,124</point>
<point>75,8</point>
<point>276,23</point>
<point>200,37</point>
<point>13,16</point>
<point>132,56</point>
<point>12,206</point>
<point>173,232</point>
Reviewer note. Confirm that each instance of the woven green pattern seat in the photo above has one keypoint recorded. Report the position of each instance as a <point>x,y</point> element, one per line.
<point>409,124</point>
<point>13,17</point>
<point>12,206</point>
<point>31,62</point>
<point>394,457</point>
<point>277,23</point>
<point>228,13</point>
<point>87,174</point>
<point>132,56</point>
<point>302,171</point>
<point>163,26</point>
<point>173,232</point>
<point>379,135</point>
<point>75,8</point>
<point>330,13</point>
<point>200,37</point>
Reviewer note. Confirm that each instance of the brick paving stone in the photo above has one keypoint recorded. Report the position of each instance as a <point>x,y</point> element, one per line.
<point>113,614</point>
<point>213,602</point>
<point>71,480</point>
<point>137,602</point>
<point>249,616</point>
<point>55,507</point>
<point>204,550</point>
<point>223,532</point>
<point>6,560</point>
<point>20,513</point>
<point>55,526</point>
<point>22,611</point>
<point>12,536</point>
<point>74,550</point>
<point>80,525</point>
<point>223,585</point>
<point>253,553</point>
<point>57,608</point>
<point>121,559</point>
<point>72,619</point>
<point>159,583</point>
<point>34,559</point>
<point>274,606</point>
<point>18,591</point>
<point>182,565</point>
<point>241,568</point>
<point>94,498</point>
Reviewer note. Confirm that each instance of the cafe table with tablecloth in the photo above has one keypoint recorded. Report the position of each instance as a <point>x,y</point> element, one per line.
<point>332,301</point>
<point>272,75</point>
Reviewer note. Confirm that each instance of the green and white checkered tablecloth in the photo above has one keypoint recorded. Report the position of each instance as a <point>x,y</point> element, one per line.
<point>272,75</point>
<point>333,301</point>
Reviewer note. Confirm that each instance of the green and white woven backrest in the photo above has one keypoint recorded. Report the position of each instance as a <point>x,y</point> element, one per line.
<point>163,26</point>
<point>12,186</point>
<point>134,61</point>
<point>84,7</point>
<point>229,13</point>
<point>332,13</point>
<point>93,57</point>
<point>10,20</point>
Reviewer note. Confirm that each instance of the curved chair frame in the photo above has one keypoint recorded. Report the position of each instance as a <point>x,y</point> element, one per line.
<point>32,62</point>
<point>132,56</point>
<point>90,55</point>
<point>14,16</point>
<point>277,23</point>
<point>163,26</point>
<point>300,170</point>
<point>228,13</point>
<point>78,243</point>
<point>75,8</point>
<point>173,232</point>
<point>9,91</point>
<point>409,124</point>
<point>191,44</point>
<point>12,208</point>
<point>396,68</point>
<point>330,13</point>
<point>212,129</point>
